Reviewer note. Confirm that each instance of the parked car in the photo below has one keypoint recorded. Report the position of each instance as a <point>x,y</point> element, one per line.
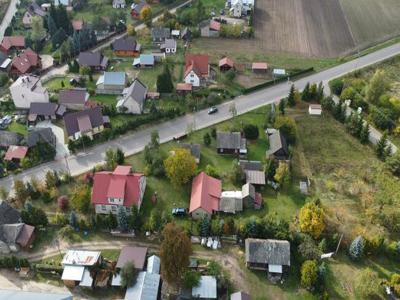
<point>212,110</point>
<point>179,211</point>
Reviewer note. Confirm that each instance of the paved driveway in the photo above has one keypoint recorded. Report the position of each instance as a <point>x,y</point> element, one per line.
<point>61,147</point>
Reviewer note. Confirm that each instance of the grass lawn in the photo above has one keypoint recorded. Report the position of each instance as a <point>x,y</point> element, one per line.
<point>18,128</point>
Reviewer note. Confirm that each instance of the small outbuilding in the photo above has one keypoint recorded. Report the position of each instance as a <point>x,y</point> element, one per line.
<point>259,67</point>
<point>16,153</point>
<point>315,109</point>
<point>225,64</point>
<point>206,289</point>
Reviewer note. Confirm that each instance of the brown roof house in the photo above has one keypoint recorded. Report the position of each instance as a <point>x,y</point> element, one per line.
<point>126,47</point>
<point>39,111</point>
<point>197,69</point>
<point>210,28</point>
<point>74,99</point>
<point>87,122</point>
<point>272,256</point>
<point>96,61</point>
<point>16,153</point>
<point>135,255</point>
<point>278,148</point>
<point>26,62</point>
<point>225,64</point>
<point>259,67</point>
<point>10,43</point>
<point>231,143</point>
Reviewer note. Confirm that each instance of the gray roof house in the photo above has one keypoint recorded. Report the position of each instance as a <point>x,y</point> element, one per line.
<point>169,46</point>
<point>231,143</point>
<point>8,214</point>
<point>255,177</point>
<point>240,296</point>
<point>207,288</point>
<point>8,138</point>
<point>111,83</point>
<point>86,122</point>
<point>267,255</point>
<point>147,287</point>
<point>74,99</point>
<point>14,236</point>
<point>96,61</point>
<point>24,295</point>
<point>159,34</point>
<point>144,60</point>
<point>253,165</point>
<point>194,149</point>
<point>277,146</point>
<point>42,111</point>
<point>133,98</point>
<point>41,135</point>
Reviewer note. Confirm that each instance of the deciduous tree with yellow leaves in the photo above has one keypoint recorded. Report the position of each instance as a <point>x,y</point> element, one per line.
<point>312,219</point>
<point>180,167</point>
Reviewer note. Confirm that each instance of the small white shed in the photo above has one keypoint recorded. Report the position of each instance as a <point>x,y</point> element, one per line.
<point>315,110</point>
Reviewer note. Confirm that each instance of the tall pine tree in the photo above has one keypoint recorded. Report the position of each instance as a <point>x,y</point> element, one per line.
<point>51,25</point>
<point>122,219</point>
<point>291,100</point>
<point>381,147</point>
<point>76,42</point>
<point>164,81</point>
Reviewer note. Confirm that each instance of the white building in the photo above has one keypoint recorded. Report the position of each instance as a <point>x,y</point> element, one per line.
<point>315,110</point>
<point>207,288</point>
<point>119,4</point>
<point>231,201</point>
<point>133,98</point>
<point>169,46</point>
<point>27,89</point>
<point>241,8</point>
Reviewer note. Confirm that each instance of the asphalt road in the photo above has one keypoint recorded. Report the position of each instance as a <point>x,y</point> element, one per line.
<point>134,142</point>
<point>12,9</point>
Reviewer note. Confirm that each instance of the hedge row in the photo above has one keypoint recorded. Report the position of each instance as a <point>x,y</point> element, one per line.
<point>278,80</point>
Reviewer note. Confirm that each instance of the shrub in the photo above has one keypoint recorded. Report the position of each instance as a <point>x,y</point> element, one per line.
<point>336,86</point>
<point>251,132</point>
<point>309,274</point>
<point>212,171</point>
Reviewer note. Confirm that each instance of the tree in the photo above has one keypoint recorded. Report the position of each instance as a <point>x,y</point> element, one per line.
<point>34,216</point>
<point>128,274</point>
<point>377,86</point>
<point>164,81</point>
<point>309,274</point>
<point>191,279</point>
<point>364,134</point>
<point>85,70</point>
<point>3,193</point>
<point>37,32</point>
<point>356,250</point>
<point>309,249</point>
<point>237,174</point>
<point>51,179</point>
<point>336,86</point>
<point>58,38</point>
<point>131,30</point>
<point>233,110</point>
<point>180,167</point>
<point>312,219</point>
<point>51,25</point>
<point>381,148</point>
<point>114,158</point>
<point>20,192</point>
<point>122,219</point>
<point>76,42</point>
<point>282,173</point>
<point>367,285</point>
<point>306,95</point>
<point>146,15</point>
<point>207,139</point>
<point>175,251</point>
<point>154,222</point>
<point>393,163</point>
<point>287,127</point>
<point>204,227</point>
<point>73,221</point>
<point>395,283</point>
<point>112,221</point>
<point>282,105</point>
<point>251,132</point>
<point>134,220</point>
<point>63,202</point>
<point>80,199</point>
<point>291,100</point>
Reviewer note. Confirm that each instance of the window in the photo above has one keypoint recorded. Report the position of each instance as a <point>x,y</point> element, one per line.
<point>191,75</point>
<point>114,208</point>
<point>103,207</point>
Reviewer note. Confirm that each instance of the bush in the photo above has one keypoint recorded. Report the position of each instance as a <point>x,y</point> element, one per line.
<point>309,274</point>
<point>356,250</point>
<point>212,171</point>
<point>336,86</point>
<point>251,132</point>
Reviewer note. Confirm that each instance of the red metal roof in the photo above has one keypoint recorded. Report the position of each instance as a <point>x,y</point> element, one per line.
<point>16,152</point>
<point>206,193</point>
<point>226,62</point>
<point>117,184</point>
<point>259,66</point>
<point>13,41</point>
<point>184,86</point>
<point>214,25</point>
<point>198,63</point>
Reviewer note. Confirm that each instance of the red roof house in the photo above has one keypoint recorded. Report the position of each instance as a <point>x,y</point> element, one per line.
<point>197,69</point>
<point>259,67</point>
<point>12,43</point>
<point>225,64</point>
<point>206,193</point>
<point>118,188</point>
<point>16,153</point>
<point>25,62</point>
